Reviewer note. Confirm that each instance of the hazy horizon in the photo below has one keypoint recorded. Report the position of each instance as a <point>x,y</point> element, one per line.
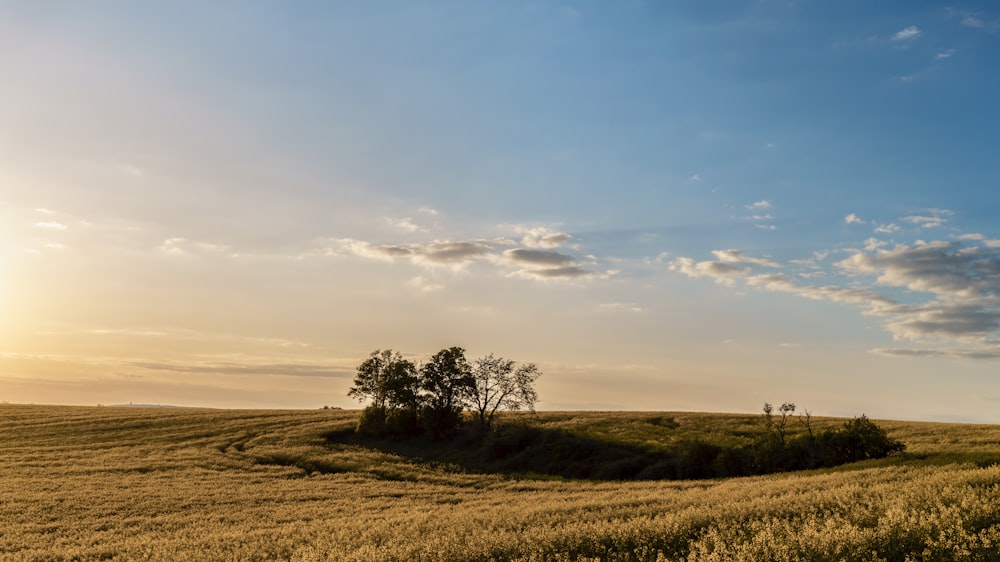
<point>699,206</point>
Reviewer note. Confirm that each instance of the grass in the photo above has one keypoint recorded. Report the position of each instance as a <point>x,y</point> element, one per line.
<point>111,483</point>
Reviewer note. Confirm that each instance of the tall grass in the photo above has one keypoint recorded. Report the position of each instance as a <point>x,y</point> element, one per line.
<point>157,484</point>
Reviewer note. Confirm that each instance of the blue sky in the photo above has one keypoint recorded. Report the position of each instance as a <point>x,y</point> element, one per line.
<point>690,205</point>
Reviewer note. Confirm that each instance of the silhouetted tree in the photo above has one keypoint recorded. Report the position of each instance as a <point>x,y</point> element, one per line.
<point>498,384</point>
<point>391,383</point>
<point>387,379</point>
<point>448,385</point>
<point>778,426</point>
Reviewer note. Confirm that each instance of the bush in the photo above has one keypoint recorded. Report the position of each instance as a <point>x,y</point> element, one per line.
<point>858,440</point>
<point>372,422</point>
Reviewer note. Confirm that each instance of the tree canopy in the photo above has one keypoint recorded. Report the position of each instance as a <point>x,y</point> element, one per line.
<point>387,380</point>
<point>499,383</point>
<point>405,397</point>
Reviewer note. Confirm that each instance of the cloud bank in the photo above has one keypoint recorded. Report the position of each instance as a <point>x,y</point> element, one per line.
<point>936,298</point>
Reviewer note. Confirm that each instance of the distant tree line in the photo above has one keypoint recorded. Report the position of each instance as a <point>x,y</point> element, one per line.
<point>775,448</point>
<point>448,392</point>
<point>858,439</point>
<point>409,400</point>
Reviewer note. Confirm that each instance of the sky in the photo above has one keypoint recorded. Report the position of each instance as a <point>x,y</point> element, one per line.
<point>701,205</point>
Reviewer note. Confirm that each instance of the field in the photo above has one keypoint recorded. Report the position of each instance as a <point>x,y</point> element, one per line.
<point>116,483</point>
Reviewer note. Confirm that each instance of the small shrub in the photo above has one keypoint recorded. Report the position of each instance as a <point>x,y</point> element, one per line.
<point>372,422</point>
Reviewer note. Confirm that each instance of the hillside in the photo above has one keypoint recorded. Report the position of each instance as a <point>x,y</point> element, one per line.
<point>165,484</point>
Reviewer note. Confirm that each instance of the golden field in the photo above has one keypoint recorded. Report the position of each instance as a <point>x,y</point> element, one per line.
<point>117,483</point>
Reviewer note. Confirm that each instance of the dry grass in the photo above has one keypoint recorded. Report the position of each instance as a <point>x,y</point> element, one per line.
<point>177,484</point>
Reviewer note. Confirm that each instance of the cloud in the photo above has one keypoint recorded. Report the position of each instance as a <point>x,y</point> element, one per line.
<point>435,253</point>
<point>405,223</point>
<point>948,320</point>
<point>185,247</point>
<point>944,54</point>
<point>736,256</point>
<point>722,273</point>
<point>779,282</point>
<point>565,272</point>
<point>541,237</point>
<point>941,268</point>
<point>970,20</point>
<point>51,225</point>
<point>224,368</point>
<point>950,353</point>
<point>533,262</point>
<point>763,204</point>
<point>943,292</point>
<point>925,221</point>
<point>451,252</point>
<point>934,218</point>
<point>873,244</point>
<point>538,257</point>
<point>364,249</point>
<point>621,306</point>
<point>853,219</point>
<point>549,264</point>
<point>962,283</point>
<point>907,34</point>
<point>887,228</point>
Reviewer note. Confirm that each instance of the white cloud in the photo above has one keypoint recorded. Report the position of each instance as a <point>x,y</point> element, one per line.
<point>780,282</point>
<point>948,291</point>
<point>722,273</point>
<point>969,20</point>
<point>853,219</point>
<point>51,225</point>
<point>887,228</point>
<point>766,226</point>
<point>873,244</point>
<point>564,272</point>
<point>453,254</point>
<point>541,237</point>
<point>534,263</point>
<point>185,247</point>
<point>737,256</point>
<point>907,34</point>
<point>762,204</point>
<point>944,54</point>
<point>405,223</point>
<point>924,221</point>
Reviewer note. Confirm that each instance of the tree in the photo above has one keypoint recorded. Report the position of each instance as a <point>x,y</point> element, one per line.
<point>387,379</point>
<point>498,384</point>
<point>778,426</point>
<point>448,384</point>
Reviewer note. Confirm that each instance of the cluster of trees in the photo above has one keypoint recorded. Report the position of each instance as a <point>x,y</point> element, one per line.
<point>407,399</point>
<point>858,439</point>
<point>785,442</point>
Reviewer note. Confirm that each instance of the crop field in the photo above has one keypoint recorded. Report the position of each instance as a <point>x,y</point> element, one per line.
<point>117,483</point>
